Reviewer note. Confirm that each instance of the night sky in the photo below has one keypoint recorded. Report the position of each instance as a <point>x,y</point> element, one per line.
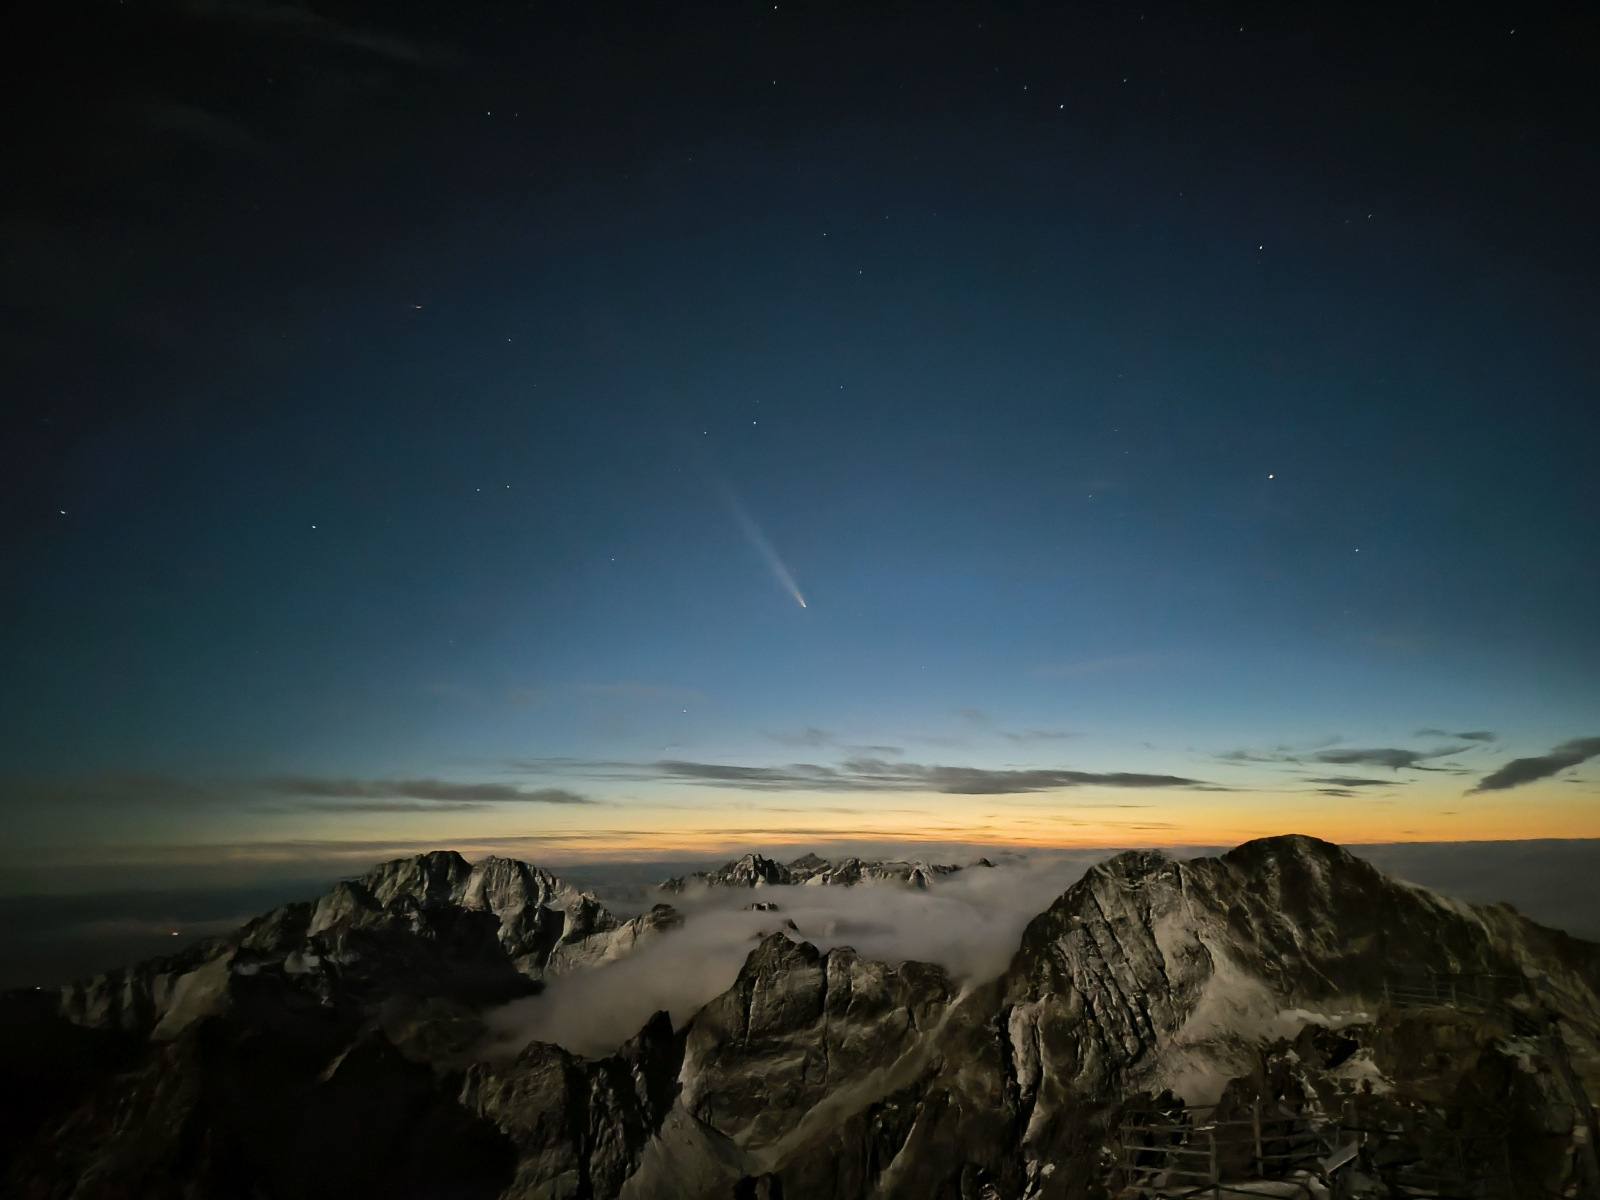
<point>423,422</point>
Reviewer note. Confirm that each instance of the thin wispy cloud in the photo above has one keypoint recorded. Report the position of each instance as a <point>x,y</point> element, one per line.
<point>981,719</point>
<point>1396,758</point>
<point>881,775</point>
<point>1526,770</point>
<point>860,773</point>
<point>1355,781</point>
<point>378,806</point>
<point>439,790</point>
<point>1475,735</point>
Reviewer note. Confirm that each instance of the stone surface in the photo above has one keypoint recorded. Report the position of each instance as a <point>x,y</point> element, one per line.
<point>1285,977</point>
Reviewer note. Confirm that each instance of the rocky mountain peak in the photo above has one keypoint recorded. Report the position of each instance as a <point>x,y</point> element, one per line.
<point>504,884</point>
<point>753,870</point>
<point>429,925</point>
<point>443,877</point>
<point>426,880</point>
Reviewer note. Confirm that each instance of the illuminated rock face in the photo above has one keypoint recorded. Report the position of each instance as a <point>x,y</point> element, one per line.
<point>432,925</point>
<point>755,870</point>
<point>1283,975</point>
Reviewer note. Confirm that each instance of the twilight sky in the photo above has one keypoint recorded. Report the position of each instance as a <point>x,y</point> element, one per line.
<point>422,423</point>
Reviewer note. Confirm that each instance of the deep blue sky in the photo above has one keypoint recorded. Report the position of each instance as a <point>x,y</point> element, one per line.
<point>1175,393</point>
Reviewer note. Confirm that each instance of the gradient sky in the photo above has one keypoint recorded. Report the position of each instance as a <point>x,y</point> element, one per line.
<point>1180,422</point>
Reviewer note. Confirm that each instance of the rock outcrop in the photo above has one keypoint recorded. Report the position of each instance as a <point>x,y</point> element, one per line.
<point>1398,1034</point>
<point>579,1126</point>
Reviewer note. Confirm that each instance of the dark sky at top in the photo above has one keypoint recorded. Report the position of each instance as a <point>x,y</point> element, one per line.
<point>453,393</point>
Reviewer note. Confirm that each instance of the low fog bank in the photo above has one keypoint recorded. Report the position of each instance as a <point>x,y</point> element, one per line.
<point>970,923</point>
<point>1553,882</point>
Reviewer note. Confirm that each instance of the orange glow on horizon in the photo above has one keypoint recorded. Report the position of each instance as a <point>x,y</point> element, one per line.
<point>709,826</point>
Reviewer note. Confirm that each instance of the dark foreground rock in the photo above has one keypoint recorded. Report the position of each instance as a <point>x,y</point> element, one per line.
<point>1286,988</point>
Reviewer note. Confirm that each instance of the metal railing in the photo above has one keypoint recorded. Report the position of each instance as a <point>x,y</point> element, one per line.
<point>1496,996</point>
<point>1191,1152</point>
<point>1469,992</point>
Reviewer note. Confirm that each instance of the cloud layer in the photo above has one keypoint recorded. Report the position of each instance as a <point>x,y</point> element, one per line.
<point>1525,770</point>
<point>1383,756</point>
<point>436,790</point>
<point>971,924</point>
<point>882,775</point>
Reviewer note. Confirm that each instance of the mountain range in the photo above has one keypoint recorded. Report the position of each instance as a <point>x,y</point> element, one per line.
<point>1281,1020</point>
<point>756,870</point>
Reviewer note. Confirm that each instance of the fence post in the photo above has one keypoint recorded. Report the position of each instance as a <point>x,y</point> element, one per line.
<point>1255,1123</point>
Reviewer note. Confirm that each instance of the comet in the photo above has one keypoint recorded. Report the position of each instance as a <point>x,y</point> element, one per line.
<point>752,531</point>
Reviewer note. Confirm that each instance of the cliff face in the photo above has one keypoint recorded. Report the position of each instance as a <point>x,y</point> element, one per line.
<point>1285,977</point>
<point>1150,975</point>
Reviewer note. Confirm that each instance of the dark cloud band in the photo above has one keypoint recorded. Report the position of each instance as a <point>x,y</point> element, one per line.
<point>880,775</point>
<point>1525,770</point>
<point>437,790</point>
<point>1355,781</point>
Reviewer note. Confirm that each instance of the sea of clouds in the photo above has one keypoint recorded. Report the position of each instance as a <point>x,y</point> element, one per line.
<point>970,923</point>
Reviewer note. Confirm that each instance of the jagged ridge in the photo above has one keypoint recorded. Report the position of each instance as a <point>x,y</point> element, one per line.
<point>756,870</point>
<point>1259,977</point>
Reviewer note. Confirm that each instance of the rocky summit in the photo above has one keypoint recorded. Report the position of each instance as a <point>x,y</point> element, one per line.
<point>1283,1020</point>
